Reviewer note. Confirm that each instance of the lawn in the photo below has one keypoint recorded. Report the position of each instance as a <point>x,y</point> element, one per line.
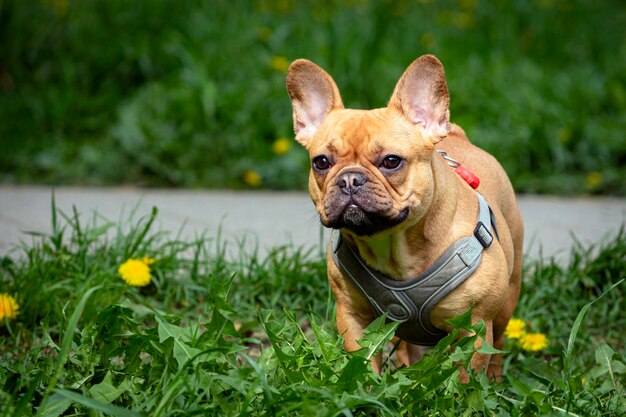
<point>252,335</point>
<point>192,93</point>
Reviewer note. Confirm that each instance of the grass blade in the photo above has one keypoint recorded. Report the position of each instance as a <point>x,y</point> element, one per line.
<point>66,344</point>
<point>57,233</point>
<point>94,404</point>
<point>578,322</point>
<point>142,234</point>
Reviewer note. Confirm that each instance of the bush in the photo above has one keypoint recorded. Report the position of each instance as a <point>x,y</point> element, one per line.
<point>192,93</point>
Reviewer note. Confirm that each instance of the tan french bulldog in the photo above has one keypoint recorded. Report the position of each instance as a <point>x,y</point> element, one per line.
<point>380,178</point>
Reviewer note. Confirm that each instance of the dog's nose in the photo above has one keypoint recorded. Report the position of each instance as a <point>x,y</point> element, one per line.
<point>350,182</point>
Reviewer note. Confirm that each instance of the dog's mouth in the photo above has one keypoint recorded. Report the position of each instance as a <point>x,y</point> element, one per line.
<point>364,223</point>
<point>353,215</point>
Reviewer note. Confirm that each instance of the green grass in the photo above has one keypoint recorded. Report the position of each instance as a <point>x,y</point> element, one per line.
<point>255,335</point>
<point>170,93</point>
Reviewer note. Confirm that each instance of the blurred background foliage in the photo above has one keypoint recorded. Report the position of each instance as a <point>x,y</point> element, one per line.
<point>191,94</point>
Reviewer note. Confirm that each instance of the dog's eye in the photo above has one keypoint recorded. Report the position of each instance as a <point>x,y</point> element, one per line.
<point>391,162</point>
<point>321,163</point>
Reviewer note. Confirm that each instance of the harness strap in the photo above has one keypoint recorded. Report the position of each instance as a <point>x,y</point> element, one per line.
<point>411,301</point>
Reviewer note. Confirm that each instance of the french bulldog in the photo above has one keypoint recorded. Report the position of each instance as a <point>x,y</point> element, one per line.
<point>383,180</point>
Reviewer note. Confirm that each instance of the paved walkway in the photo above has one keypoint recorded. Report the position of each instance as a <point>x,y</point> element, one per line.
<point>268,219</point>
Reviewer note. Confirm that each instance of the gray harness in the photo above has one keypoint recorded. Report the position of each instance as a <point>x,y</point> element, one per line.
<point>411,301</point>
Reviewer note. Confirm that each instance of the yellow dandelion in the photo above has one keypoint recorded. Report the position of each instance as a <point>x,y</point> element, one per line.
<point>463,20</point>
<point>564,135</point>
<point>9,308</point>
<point>533,341</point>
<point>135,272</point>
<point>281,146</point>
<point>593,179</point>
<point>147,260</point>
<point>264,33</point>
<point>468,4</point>
<point>428,40</point>
<point>515,329</point>
<point>252,178</point>
<point>279,63</point>
<point>546,4</point>
<point>59,7</point>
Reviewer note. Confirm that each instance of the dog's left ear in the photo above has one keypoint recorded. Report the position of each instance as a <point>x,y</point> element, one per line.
<point>421,96</point>
<point>313,95</point>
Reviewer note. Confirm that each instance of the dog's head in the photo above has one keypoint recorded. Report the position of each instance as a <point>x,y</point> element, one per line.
<point>370,169</point>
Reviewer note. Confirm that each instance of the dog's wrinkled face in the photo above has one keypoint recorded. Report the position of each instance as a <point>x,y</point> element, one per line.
<point>365,176</point>
<point>370,170</point>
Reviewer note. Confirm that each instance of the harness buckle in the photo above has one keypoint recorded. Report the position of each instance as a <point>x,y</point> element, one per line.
<point>481,232</point>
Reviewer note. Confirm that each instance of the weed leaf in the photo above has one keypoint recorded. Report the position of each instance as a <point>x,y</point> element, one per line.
<point>462,321</point>
<point>167,330</point>
<point>182,351</point>
<point>607,365</point>
<point>519,387</point>
<point>375,336</point>
<point>106,391</point>
<point>55,406</point>
<point>327,342</point>
<point>274,330</point>
<point>542,370</point>
<point>487,349</point>
<point>354,371</point>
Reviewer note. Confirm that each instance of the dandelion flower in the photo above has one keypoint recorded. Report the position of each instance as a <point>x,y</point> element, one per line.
<point>59,7</point>
<point>463,20</point>
<point>281,146</point>
<point>135,272</point>
<point>533,341</point>
<point>279,63</point>
<point>593,179</point>
<point>564,135</point>
<point>428,40</point>
<point>252,178</point>
<point>8,307</point>
<point>264,33</point>
<point>515,329</point>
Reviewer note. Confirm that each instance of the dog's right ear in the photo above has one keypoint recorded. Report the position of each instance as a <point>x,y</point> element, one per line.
<point>313,95</point>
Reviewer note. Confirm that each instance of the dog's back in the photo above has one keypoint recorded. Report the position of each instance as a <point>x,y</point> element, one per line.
<point>496,187</point>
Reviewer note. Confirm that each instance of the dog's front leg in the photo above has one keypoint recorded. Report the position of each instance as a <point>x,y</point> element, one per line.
<point>351,326</point>
<point>407,353</point>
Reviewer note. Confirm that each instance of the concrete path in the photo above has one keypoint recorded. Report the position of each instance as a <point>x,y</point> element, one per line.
<point>269,219</point>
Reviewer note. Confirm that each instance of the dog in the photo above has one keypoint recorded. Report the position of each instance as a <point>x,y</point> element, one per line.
<point>416,236</point>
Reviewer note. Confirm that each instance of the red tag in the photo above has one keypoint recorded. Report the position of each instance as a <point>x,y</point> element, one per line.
<point>468,176</point>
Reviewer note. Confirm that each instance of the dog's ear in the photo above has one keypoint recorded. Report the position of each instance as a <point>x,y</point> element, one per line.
<point>313,95</point>
<point>421,96</point>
